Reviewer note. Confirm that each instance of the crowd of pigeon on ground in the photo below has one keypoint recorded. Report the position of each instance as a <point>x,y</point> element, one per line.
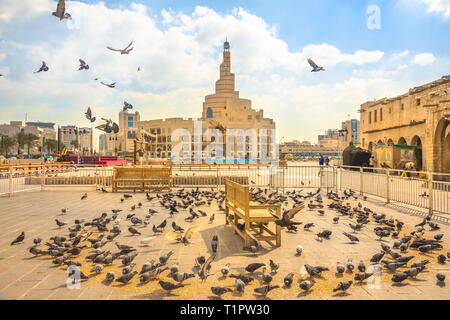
<point>97,239</point>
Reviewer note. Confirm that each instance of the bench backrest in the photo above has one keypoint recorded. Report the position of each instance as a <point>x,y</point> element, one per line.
<point>238,195</point>
<point>142,173</point>
<point>157,172</point>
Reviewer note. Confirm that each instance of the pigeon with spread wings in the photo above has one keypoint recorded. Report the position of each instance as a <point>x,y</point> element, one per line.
<point>204,271</point>
<point>89,115</point>
<point>112,85</point>
<point>288,215</point>
<point>185,239</point>
<point>127,106</point>
<point>124,51</point>
<point>43,67</point>
<point>315,67</point>
<point>83,65</point>
<point>61,11</point>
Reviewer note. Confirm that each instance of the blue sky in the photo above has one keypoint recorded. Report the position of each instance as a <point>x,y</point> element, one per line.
<point>178,46</point>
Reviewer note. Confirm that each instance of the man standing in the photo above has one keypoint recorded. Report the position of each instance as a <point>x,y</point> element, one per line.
<point>321,160</point>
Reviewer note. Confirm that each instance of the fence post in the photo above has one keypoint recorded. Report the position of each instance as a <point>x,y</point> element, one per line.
<point>388,198</point>
<point>361,181</point>
<point>430,193</point>
<point>10,181</point>
<point>42,178</point>
<point>217,177</point>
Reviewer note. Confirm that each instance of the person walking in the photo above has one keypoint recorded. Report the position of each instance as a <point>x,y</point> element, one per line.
<point>321,160</point>
<point>327,161</point>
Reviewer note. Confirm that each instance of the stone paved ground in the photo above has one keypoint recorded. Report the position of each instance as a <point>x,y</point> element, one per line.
<point>23,276</point>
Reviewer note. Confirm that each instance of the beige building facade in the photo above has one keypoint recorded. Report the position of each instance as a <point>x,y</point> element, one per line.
<point>419,117</point>
<point>228,128</point>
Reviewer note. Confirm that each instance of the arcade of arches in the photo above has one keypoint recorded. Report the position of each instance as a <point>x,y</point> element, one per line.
<point>420,118</point>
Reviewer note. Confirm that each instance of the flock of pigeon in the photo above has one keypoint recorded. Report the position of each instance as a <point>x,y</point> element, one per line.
<point>401,253</point>
<point>62,14</point>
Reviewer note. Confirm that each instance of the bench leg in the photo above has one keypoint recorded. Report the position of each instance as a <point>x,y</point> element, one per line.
<point>247,241</point>
<point>278,233</point>
<point>226,214</point>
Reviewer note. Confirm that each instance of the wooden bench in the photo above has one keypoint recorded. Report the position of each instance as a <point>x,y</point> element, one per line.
<point>142,179</point>
<point>238,200</point>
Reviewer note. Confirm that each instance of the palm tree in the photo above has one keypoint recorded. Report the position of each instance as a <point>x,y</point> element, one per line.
<point>20,140</point>
<point>30,141</point>
<point>51,145</point>
<point>7,143</point>
<point>75,144</point>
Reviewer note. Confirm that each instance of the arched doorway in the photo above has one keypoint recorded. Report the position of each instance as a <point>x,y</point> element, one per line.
<point>442,147</point>
<point>402,141</point>
<point>390,142</point>
<point>418,143</point>
<point>379,142</point>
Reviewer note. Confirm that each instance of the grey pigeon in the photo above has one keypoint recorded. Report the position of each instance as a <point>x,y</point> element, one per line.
<point>169,286</point>
<point>343,286</point>
<point>219,291</point>
<point>43,68</point>
<point>306,285</point>
<point>127,50</point>
<point>20,238</point>
<point>61,11</point>
<point>83,65</point>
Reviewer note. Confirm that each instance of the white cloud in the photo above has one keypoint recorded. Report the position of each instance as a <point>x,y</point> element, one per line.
<point>423,59</point>
<point>179,63</point>
<point>439,6</point>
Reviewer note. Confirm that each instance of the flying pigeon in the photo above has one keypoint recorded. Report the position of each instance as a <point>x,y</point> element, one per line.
<point>315,67</point>
<point>112,85</point>
<point>124,51</point>
<point>60,11</point>
<point>89,115</point>
<point>126,106</point>
<point>83,65</point>
<point>43,67</point>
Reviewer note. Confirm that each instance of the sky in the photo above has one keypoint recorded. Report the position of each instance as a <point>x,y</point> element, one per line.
<point>370,49</point>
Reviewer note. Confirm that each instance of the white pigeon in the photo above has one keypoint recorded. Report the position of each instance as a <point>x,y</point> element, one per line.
<point>146,241</point>
<point>298,250</point>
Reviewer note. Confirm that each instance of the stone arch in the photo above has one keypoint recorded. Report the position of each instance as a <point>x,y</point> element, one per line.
<point>416,141</point>
<point>390,141</point>
<point>441,155</point>
<point>380,142</point>
<point>401,141</point>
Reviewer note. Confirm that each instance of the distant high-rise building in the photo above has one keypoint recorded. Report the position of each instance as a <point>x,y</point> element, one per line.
<point>86,141</point>
<point>102,143</point>
<point>67,134</point>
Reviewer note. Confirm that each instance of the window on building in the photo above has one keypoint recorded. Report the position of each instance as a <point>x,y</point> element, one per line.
<point>131,134</point>
<point>249,117</point>
<point>381,114</point>
<point>402,107</point>
<point>209,113</point>
<point>257,117</point>
<point>418,102</point>
<point>370,117</point>
<point>130,121</point>
<point>375,116</point>
<point>225,108</point>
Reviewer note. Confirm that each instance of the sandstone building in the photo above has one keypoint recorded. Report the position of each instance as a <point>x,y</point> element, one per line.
<point>223,109</point>
<point>419,117</point>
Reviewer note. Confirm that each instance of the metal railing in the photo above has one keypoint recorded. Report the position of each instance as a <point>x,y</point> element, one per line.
<point>419,189</point>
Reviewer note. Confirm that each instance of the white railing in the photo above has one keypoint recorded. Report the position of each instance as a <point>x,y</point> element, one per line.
<point>423,190</point>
